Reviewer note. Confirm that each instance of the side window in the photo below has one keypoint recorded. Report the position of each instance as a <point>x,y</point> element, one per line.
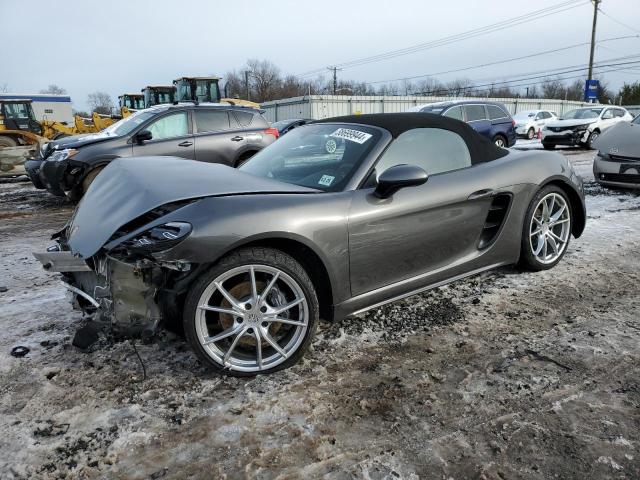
<point>170,126</point>
<point>244,118</point>
<point>475,112</point>
<point>434,149</point>
<point>618,112</point>
<point>496,112</point>
<point>455,112</point>
<point>211,120</point>
<point>608,114</point>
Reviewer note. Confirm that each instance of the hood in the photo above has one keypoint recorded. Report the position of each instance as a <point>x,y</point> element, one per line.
<point>130,187</point>
<point>77,141</point>
<point>621,139</point>
<point>572,122</point>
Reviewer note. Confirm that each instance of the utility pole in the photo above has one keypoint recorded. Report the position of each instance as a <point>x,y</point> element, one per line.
<point>246,82</point>
<point>593,36</point>
<point>335,78</point>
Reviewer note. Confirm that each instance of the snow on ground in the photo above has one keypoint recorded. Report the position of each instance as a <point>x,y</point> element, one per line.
<point>505,375</point>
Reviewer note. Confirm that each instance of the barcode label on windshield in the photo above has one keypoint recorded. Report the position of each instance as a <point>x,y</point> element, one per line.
<point>351,135</point>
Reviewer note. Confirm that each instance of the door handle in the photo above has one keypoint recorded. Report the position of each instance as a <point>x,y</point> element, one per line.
<point>237,138</point>
<point>480,194</point>
<point>186,143</point>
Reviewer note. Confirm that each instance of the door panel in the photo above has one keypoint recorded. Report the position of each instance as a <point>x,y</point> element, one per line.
<point>170,137</point>
<point>431,228</point>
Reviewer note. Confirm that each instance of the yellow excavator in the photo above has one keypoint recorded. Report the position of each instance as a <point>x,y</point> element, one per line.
<point>130,102</point>
<point>158,94</point>
<point>205,89</point>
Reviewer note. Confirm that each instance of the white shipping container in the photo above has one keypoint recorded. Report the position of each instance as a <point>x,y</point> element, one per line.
<point>46,106</point>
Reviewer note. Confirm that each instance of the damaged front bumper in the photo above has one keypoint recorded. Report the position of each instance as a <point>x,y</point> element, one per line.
<point>124,294</point>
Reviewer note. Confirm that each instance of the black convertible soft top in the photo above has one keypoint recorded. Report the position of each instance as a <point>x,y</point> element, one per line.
<point>480,148</point>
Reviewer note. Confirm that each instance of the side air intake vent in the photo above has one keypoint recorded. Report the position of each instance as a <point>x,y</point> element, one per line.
<point>495,218</point>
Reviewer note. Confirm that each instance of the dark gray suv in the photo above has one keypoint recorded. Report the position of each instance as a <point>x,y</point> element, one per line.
<point>207,132</point>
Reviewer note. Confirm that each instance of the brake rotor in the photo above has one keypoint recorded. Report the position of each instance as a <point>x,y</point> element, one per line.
<point>242,292</point>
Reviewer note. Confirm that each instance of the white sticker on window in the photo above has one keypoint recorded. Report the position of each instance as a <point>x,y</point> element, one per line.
<point>351,135</point>
<point>326,180</point>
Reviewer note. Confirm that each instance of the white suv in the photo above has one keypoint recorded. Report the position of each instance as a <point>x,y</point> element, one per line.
<point>580,127</point>
<point>530,122</point>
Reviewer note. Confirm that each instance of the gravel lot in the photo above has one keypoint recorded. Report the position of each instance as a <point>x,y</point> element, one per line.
<point>506,375</point>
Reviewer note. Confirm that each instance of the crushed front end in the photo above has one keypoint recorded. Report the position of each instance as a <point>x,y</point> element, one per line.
<point>124,285</point>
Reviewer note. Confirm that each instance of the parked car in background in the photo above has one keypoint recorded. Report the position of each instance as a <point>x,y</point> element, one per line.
<point>211,132</point>
<point>633,110</point>
<point>251,258</point>
<point>530,122</point>
<point>489,119</point>
<point>285,126</point>
<point>618,161</point>
<point>580,127</point>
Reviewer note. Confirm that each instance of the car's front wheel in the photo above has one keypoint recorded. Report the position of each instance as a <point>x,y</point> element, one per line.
<point>531,133</point>
<point>592,138</point>
<point>254,312</point>
<point>546,230</point>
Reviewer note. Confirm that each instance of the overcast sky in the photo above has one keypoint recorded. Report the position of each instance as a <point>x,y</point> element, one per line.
<point>122,45</point>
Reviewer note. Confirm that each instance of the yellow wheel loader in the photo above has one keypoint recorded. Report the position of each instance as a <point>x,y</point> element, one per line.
<point>205,89</point>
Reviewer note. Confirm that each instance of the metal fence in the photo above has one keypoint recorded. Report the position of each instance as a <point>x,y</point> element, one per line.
<point>325,106</point>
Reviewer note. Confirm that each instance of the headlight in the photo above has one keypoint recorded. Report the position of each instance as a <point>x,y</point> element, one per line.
<point>60,155</point>
<point>579,128</point>
<point>159,238</point>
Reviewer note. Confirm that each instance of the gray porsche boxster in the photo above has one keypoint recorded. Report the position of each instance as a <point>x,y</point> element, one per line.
<point>618,161</point>
<point>251,258</point>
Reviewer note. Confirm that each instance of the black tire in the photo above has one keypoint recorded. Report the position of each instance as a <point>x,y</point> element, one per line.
<point>531,133</point>
<point>500,141</point>
<point>7,141</point>
<point>592,138</point>
<point>528,260</point>
<point>251,256</point>
<point>548,146</point>
<point>78,191</point>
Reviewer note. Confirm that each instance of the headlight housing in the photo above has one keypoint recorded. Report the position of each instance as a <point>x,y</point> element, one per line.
<point>61,155</point>
<point>580,128</point>
<point>160,238</point>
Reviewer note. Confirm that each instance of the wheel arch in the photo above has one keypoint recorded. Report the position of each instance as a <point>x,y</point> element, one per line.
<point>305,254</point>
<point>577,204</point>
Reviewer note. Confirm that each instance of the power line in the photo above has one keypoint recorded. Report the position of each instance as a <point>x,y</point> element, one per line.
<point>506,83</point>
<point>482,65</point>
<point>618,21</point>
<point>529,17</point>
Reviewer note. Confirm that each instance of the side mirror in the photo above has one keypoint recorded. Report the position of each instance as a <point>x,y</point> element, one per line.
<point>142,136</point>
<point>397,177</point>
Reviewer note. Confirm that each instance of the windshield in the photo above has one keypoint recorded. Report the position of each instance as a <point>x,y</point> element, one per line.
<point>436,108</point>
<point>127,125</point>
<point>524,115</point>
<point>321,156</point>
<point>579,113</point>
<point>636,120</point>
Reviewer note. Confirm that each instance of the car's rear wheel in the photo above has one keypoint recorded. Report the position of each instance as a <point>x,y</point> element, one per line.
<point>500,141</point>
<point>548,146</point>
<point>254,312</point>
<point>547,229</point>
<point>243,158</point>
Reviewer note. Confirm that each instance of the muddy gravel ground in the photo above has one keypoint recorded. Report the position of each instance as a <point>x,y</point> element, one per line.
<point>506,375</point>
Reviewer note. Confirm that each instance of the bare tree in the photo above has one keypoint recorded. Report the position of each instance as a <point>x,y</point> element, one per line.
<point>265,79</point>
<point>54,89</point>
<point>4,87</point>
<point>100,102</point>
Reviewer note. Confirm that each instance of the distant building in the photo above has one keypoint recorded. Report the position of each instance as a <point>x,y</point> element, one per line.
<point>46,105</point>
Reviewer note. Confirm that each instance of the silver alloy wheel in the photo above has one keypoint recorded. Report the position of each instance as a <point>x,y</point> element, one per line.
<point>260,329</point>
<point>499,141</point>
<point>531,133</point>
<point>550,228</point>
<point>592,138</point>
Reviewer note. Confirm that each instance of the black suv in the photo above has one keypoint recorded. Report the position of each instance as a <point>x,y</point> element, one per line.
<point>208,132</point>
